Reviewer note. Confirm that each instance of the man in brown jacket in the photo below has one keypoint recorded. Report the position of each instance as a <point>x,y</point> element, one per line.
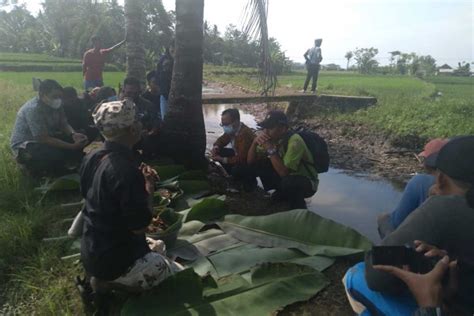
<point>232,147</point>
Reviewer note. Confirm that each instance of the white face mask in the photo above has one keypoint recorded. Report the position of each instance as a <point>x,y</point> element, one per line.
<point>55,104</point>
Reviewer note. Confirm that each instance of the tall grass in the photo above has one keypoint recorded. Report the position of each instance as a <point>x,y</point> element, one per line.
<point>33,280</point>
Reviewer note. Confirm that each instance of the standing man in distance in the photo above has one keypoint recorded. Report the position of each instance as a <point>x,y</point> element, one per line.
<point>313,59</point>
<point>94,61</point>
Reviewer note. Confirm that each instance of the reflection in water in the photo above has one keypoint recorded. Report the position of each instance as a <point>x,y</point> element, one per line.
<point>354,201</point>
<point>351,200</point>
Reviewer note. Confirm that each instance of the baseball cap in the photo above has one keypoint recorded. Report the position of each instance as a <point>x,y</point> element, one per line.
<point>273,119</point>
<point>112,116</point>
<point>431,149</point>
<point>456,159</point>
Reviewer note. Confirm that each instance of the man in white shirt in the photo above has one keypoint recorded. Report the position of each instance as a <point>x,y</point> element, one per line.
<point>313,59</point>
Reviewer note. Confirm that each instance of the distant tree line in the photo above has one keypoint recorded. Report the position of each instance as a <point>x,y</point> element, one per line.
<point>400,63</point>
<point>234,48</point>
<point>64,28</point>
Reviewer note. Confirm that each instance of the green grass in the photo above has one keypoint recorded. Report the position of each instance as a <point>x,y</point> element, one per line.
<point>74,79</point>
<point>33,280</point>
<point>406,105</point>
<point>44,63</point>
<point>37,58</point>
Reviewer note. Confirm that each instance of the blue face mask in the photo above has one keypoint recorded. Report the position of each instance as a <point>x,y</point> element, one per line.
<point>112,98</point>
<point>228,129</point>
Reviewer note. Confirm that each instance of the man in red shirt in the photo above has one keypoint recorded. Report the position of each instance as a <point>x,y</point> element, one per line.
<point>93,63</point>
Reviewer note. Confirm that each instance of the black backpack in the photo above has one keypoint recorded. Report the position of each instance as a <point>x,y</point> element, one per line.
<point>318,148</point>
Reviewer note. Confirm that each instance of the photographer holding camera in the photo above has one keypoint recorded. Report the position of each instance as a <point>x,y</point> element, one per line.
<point>446,221</point>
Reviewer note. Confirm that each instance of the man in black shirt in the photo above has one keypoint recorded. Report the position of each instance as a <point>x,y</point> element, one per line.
<point>148,115</point>
<point>118,201</point>
<point>152,94</point>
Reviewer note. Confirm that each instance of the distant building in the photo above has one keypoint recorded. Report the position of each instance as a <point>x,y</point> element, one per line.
<point>445,70</point>
<point>331,67</point>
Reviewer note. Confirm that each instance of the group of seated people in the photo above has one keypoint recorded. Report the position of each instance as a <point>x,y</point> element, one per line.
<point>435,216</point>
<point>52,129</point>
<point>275,154</point>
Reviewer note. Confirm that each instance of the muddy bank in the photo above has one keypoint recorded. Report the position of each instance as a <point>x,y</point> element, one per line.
<point>353,147</point>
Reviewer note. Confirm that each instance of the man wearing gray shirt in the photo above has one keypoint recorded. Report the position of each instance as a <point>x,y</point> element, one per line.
<point>445,220</point>
<point>313,59</point>
<point>42,140</point>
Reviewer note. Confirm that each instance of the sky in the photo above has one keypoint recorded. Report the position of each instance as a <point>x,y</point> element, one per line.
<point>440,28</point>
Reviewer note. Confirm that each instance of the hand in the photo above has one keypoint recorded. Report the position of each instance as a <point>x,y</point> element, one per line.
<point>434,190</point>
<point>78,137</point>
<point>154,131</point>
<point>262,139</point>
<point>218,158</point>
<point>429,250</point>
<point>268,146</point>
<point>149,173</point>
<point>214,151</point>
<point>426,288</point>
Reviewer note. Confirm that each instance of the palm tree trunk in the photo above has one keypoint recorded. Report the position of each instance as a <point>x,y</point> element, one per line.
<point>184,123</point>
<point>135,28</point>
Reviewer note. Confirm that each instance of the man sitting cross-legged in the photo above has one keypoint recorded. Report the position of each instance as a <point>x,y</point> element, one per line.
<point>118,196</point>
<point>42,139</point>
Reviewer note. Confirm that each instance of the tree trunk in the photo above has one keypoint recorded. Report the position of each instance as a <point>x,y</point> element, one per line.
<point>135,28</point>
<point>185,134</point>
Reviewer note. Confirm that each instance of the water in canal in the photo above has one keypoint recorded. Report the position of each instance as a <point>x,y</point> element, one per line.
<point>354,200</point>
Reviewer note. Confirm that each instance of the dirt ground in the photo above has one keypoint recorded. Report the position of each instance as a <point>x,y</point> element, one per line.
<point>353,147</point>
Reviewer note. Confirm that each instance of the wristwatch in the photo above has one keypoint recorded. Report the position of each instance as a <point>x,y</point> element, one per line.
<point>271,152</point>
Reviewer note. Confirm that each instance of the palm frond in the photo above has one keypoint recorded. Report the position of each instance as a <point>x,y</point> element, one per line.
<point>255,27</point>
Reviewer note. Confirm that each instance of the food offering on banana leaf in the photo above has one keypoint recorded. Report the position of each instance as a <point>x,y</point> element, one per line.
<point>165,225</point>
<point>165,194</point>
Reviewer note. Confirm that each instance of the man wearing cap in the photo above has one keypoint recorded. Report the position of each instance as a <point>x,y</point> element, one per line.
<point>445,221</point>
<point>288,168</point>
<point>42,139</point>
<point>416,190</point>
<point>118,196</point>
<point>313,59</point>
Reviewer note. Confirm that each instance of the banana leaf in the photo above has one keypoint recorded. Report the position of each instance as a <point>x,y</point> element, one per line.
<point>194,186</point>
<point>65,183</point>
<point>271,287</point>
<point>169,171</point>
<point>300,229</point>
<point>193,175</point>
<point>207,210</point>
<point>244,256</point>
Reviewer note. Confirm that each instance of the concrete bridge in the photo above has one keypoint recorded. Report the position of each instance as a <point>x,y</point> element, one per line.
<point>298,104</point>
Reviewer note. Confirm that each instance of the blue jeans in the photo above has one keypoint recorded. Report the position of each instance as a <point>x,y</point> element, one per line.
<point>366,302</point>
<point>163,106</point>
<point>91,84</point>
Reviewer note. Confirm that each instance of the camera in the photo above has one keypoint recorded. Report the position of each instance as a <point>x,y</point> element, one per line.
<point>403,256</point>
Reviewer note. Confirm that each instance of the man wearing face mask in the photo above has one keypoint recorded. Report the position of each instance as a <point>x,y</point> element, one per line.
<point>148,114</point>
<point>42,139</point>
<point>231,148</point>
